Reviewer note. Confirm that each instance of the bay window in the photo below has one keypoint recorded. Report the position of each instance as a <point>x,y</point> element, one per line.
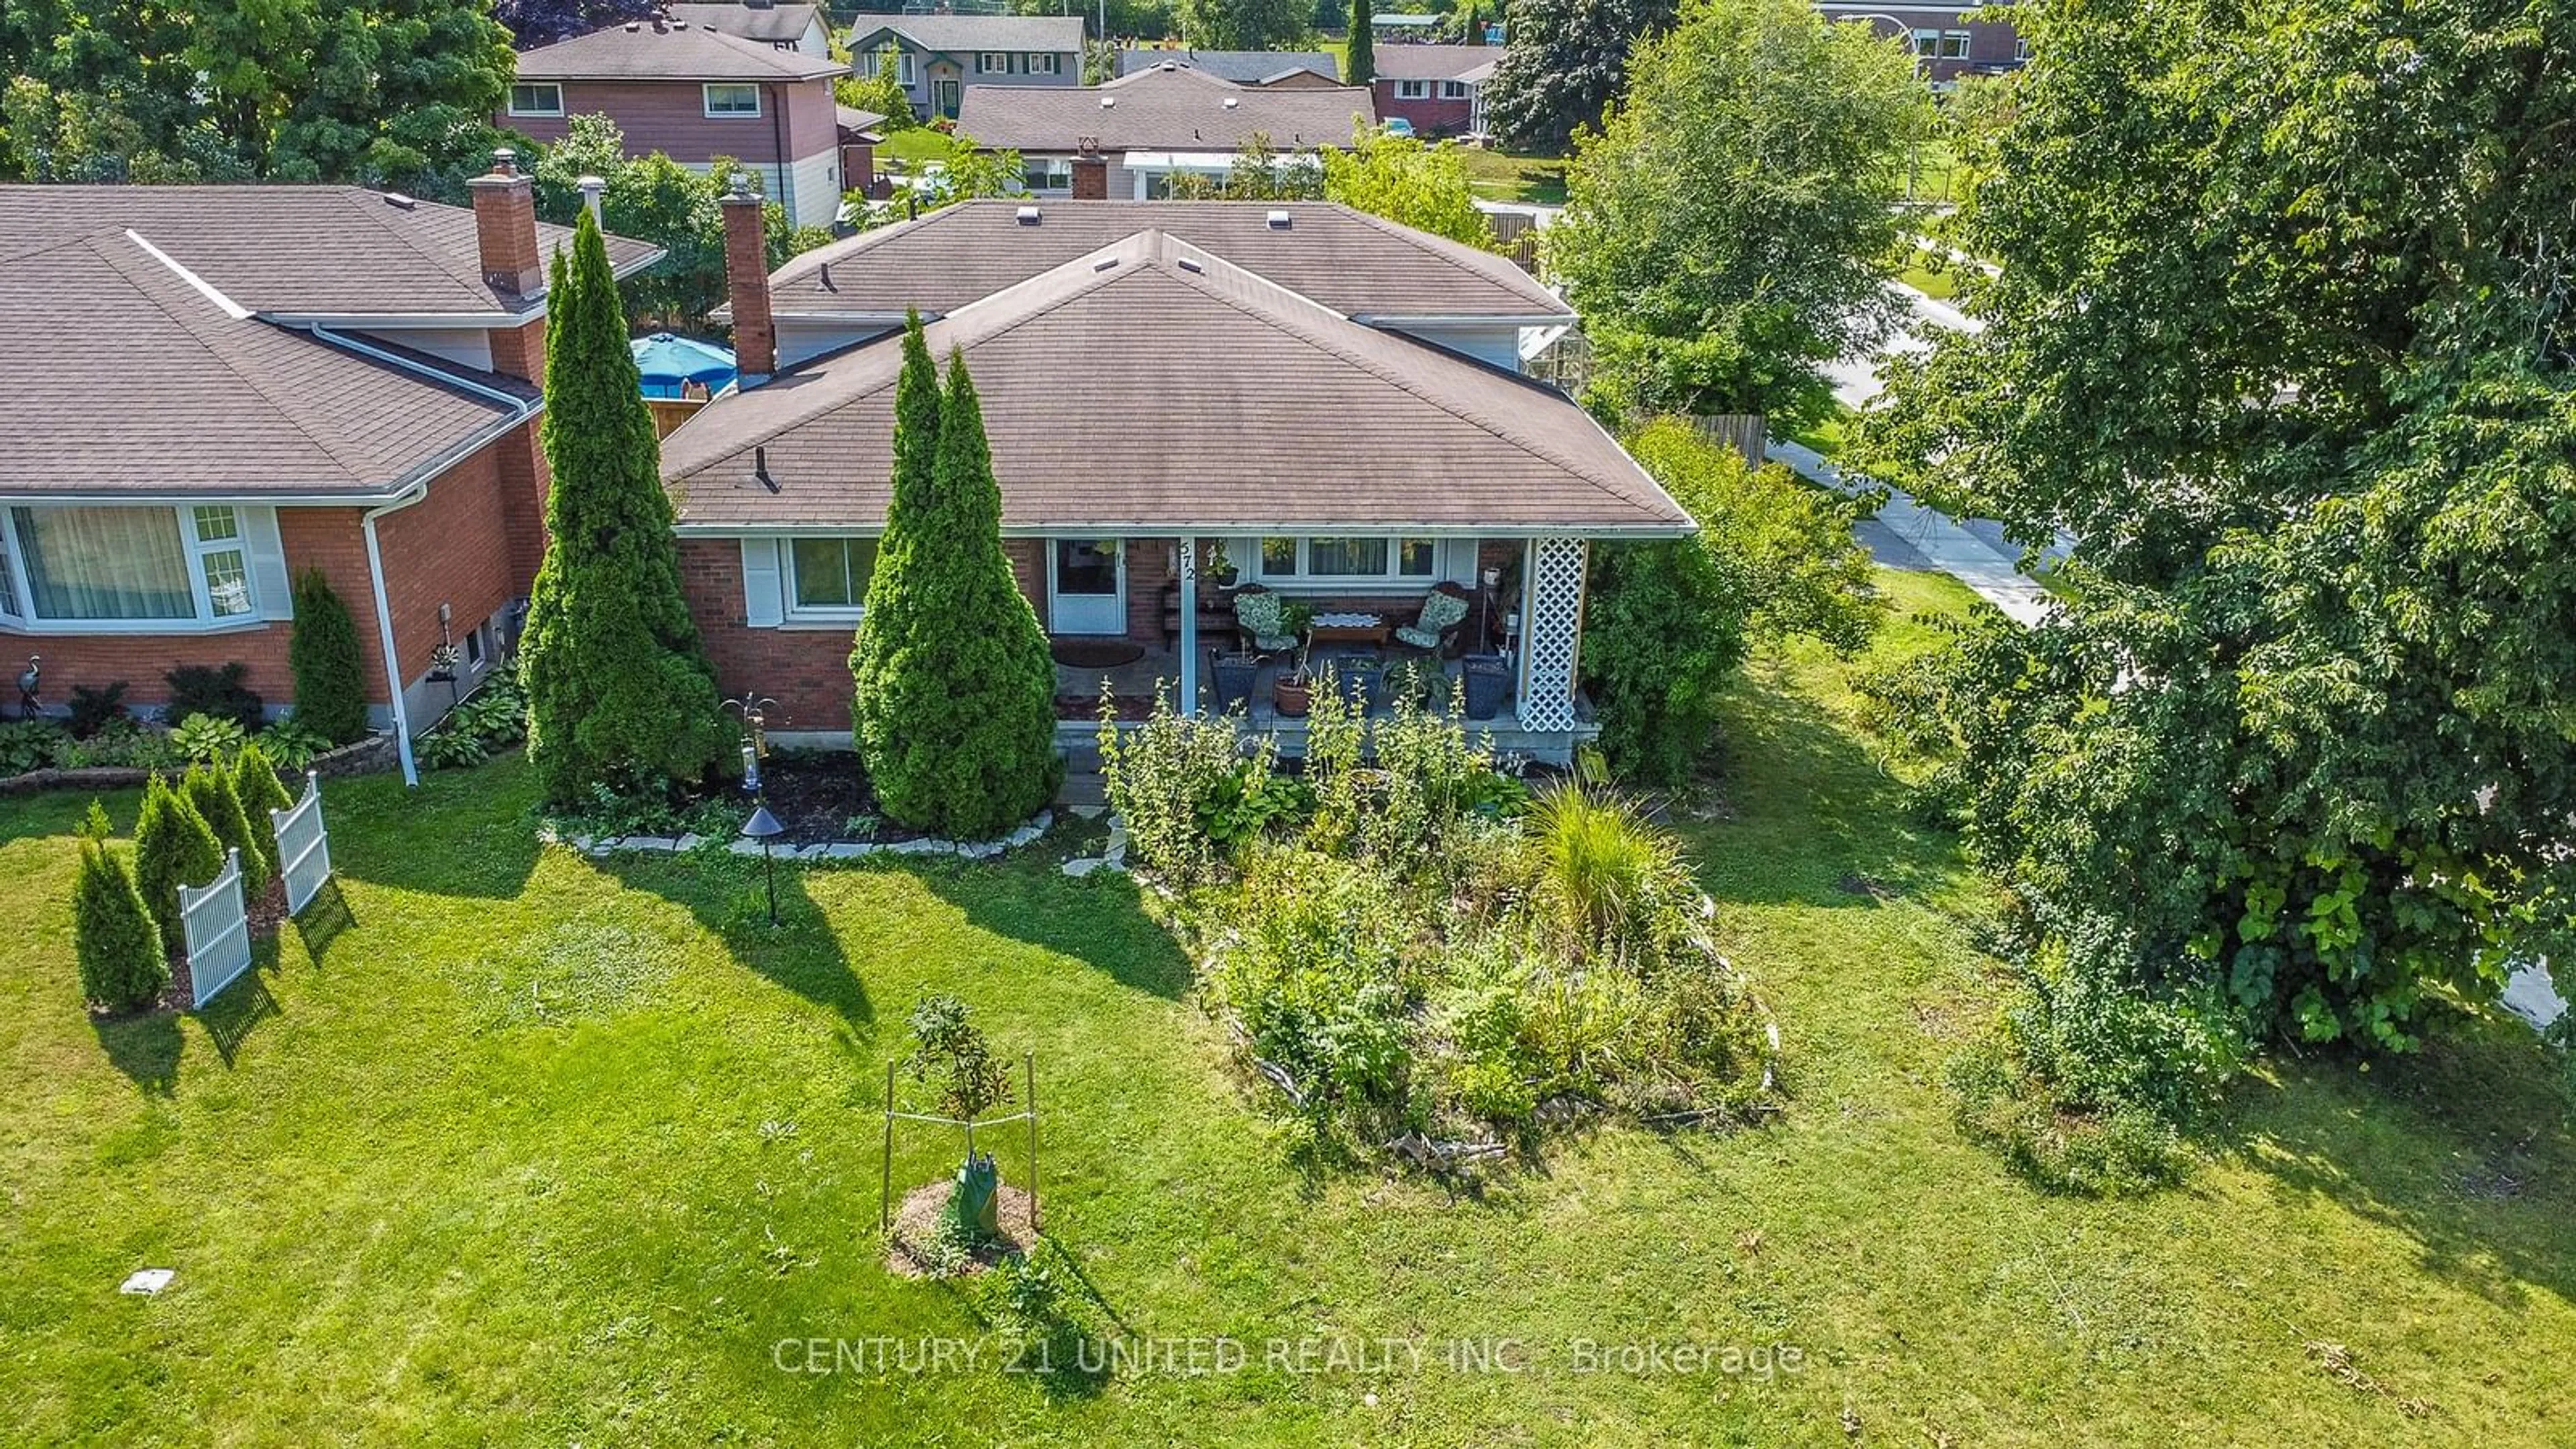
<point>184,567</point>
<point>828,577</point>
<point>1348,558</point>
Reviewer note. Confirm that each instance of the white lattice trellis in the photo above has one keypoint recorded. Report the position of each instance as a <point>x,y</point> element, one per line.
<point>1551,629</point>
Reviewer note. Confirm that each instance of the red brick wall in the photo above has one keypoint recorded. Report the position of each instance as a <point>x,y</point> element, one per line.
<point>807,670</point>
<point>522,464</point>
<point>1431,117</point>
<point>453,548</point>
<point>671,117</point>
<point>324,538</point>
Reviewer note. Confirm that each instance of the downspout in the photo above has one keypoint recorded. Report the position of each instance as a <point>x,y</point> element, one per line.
<point>521,409</point>
<point>778,153</point>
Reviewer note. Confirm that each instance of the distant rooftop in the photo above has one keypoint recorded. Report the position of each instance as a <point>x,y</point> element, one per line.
<point>1244,67</point>
<point>674,51</point>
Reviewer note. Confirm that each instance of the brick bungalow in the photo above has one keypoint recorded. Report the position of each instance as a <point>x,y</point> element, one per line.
<point>1439,89</point>
<point>695,94</point>
<point>270,379</point>
<point>1128,138</point>
<point>1949,41</point>
<point>1326,400</point>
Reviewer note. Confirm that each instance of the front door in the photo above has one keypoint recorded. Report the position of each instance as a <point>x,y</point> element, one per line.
<point>949,90</point>
<point>1090,587</point>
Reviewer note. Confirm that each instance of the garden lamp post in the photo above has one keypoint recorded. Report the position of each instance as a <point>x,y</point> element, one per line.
<point>764,827</point>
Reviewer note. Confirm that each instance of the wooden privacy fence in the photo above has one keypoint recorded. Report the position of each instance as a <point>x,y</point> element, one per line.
<point>303,845</point>
<point>1744,432</point>
<point>670,412</point>
<point>218,931</point>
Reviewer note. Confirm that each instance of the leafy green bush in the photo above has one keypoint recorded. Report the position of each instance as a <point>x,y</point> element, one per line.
<point>215,690</point>
<point>2119,1152</point>
<point>114,940</point>
<point>207,739</point>
<point>210,789</point>
<point>173,846</point>
<point>31,744</point>
<point>291,744</point>
<point>93,710</point>
<point>1165,777</point>
<point>448,748</point>
<point>496,714</point>
<point>123,742</point>
<point>330,669</point>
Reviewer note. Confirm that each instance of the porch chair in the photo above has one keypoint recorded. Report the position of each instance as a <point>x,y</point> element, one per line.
<point>1258,618</point>
<point>1444,609</point>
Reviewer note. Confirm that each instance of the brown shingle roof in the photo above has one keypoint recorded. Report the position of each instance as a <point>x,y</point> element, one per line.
<point>1434,62</point>
<point>1356,264</point>
<point>159,390</point>
<point>751,22</point>
<point>1151,385</point>
<point>1163,110</point>
<point>966,34</point>
<point>672,53</point>
<point>291,250</point>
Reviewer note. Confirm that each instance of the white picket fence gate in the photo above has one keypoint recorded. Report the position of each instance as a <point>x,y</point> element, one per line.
<point>218,930</point>
<point>303,845</point>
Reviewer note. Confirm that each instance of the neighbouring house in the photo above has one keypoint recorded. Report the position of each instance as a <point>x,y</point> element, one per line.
<point>804,29</point>
<point>1165,384</point>
<point>940,55</point>
<point>1947,42</point>
<point>695,95</point>
<point>1439,89</point>
<point>1130,137</point>
<point>260,380</point>
<point>861,133</point>
<point>1243,67</point>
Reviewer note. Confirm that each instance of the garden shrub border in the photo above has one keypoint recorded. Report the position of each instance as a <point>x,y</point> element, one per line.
<point>371,756</point>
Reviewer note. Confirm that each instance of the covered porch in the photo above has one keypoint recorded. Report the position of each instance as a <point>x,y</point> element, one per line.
<point>1383,615</point>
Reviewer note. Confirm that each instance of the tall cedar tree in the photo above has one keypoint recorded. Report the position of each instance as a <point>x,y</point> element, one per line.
<point>1359,58</point>
<point>954,708</point>
<point>619,690</point>
<point>173,846</point>
<point>113,938</point>
<point>210,789</point>
<point>330,670</point>
<point>256,786</point>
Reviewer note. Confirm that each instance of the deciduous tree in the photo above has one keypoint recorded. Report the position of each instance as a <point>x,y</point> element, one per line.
<point>2282,337</point>
<point>1563,63</point>
<point>1731,230</point>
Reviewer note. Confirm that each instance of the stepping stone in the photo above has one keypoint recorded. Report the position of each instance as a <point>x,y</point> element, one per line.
<point>1083,866</point>
<point>146,1282</point>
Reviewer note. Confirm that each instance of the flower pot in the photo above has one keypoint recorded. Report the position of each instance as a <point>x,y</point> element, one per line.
<point>1235,673</point>
<point>1292,693</point>
<point>1488,679</point>
<point>1362,682</point>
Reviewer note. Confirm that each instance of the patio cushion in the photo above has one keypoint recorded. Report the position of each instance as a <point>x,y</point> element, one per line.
<point>1258,614</point>
<point>1418,637</point>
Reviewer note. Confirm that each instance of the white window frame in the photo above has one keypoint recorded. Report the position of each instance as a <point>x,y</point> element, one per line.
<point>1453,90</point>
<point>518,86</point>
<point>796,613</point>
<point>992,62</point>
<point>18,612</point>
<point>1955,44</point>
<point>707,96</point>
<point>1305,576</point>
<point>1059,173</point>
<point>1053,62</point>
<point>1413,90</point>
<point>1927,44</point>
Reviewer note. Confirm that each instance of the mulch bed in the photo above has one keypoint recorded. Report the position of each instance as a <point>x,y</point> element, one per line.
<point>267,914</point>
<point>816,796</point>
<point>916,1225</point>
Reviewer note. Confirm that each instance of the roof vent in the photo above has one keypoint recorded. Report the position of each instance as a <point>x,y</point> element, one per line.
<point>1278,220</point>
<point>1191,264</point>
<point>1233,101</point>
<point>1169,65</point>
<point>399,202</point>
<point>828,285</point>
<point>1026,216</point>
<point>1107,101</point>
<point>760,469</point>
<point>633,26</point>
<point>1104,264</point>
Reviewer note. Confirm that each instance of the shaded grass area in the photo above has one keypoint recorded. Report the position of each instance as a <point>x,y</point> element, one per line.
<point>526,1147</point>
<point>1504,176</point>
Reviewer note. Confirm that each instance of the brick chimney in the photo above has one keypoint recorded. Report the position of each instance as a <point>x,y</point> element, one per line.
<point>755,337</point>
<point>1090,170</point>
<point>505,236</point>
<point>505,227</point>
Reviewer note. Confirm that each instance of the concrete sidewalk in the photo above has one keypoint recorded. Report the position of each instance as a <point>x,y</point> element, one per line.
<point>1929,540</point>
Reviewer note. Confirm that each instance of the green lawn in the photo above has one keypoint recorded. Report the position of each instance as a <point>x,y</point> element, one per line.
<point>916,144</point>
<point>1504,176</point>
<point>534,1148</point>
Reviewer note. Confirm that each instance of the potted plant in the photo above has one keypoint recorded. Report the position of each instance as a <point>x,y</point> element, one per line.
<point>1484,679</point>
<point>1236,671</point>
<point>1220,569</point>
<point>1293,692</point>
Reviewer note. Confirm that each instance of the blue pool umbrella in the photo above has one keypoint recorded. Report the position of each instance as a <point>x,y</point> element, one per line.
<point>667,362</point>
